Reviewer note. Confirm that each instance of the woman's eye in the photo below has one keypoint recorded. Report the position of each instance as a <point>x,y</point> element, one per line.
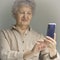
<point>29,13</point>
<point>21,12</point>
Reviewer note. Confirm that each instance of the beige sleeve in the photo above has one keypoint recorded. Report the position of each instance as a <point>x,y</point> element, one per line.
<point>32,56</point>
<point>5,52</point>
<point>46,57</point>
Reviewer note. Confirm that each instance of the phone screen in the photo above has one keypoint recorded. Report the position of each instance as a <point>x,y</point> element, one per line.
<point>51,29</point>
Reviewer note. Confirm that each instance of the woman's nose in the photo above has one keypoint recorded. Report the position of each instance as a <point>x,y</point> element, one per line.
<point>25,16</point>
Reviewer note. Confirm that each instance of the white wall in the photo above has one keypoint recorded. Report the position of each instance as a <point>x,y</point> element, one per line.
<point>46,11</point>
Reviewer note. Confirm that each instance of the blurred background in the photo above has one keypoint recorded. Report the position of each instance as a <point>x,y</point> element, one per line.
<point>47,11</point>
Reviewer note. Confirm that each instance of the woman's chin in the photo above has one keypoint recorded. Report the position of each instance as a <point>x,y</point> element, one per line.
<point>25,23</point>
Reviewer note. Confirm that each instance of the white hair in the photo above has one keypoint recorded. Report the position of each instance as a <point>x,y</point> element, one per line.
<point>18,3</point>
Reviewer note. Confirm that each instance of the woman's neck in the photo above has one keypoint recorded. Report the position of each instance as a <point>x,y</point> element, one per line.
<point>21,28</point>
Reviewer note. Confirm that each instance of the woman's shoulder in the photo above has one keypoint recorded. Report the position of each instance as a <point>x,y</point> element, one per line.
<point>34,32</point>
<point>5,31</point>
<point>37,34</point>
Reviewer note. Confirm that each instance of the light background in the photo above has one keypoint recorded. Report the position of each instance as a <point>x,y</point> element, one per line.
<point>46,11</point>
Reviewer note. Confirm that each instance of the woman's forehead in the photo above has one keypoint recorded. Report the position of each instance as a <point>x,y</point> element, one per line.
<point>27,8</point>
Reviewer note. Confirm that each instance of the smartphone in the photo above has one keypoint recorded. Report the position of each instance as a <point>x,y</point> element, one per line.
<point>51,29</point>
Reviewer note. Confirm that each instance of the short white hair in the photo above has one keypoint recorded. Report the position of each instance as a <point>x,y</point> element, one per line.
<point>18,3</point>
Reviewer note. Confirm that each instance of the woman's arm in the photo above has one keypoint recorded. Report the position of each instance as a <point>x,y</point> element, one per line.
<point>6,52</point>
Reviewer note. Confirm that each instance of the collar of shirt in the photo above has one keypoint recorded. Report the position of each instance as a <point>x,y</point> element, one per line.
<point>26,32</point>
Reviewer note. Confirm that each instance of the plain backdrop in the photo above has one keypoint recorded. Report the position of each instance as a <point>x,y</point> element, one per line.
<point>47,11</point>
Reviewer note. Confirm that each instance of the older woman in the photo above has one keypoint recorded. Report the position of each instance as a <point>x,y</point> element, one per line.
<point>21,42</point>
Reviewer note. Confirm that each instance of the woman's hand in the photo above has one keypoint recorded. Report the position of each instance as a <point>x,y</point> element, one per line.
<point>51,44</point>
<point>39,46</point>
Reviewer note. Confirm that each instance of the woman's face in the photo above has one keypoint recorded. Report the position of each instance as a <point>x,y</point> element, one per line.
<point>24,15</point>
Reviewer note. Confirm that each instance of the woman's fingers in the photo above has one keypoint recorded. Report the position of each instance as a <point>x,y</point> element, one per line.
<point>51,43</point>
<point>41,45</point>
<point>50,40</point>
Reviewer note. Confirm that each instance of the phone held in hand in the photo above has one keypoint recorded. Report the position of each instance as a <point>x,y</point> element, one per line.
<point>51,29</point>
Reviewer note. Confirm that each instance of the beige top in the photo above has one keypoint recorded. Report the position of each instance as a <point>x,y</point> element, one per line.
<point>13,44</point>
